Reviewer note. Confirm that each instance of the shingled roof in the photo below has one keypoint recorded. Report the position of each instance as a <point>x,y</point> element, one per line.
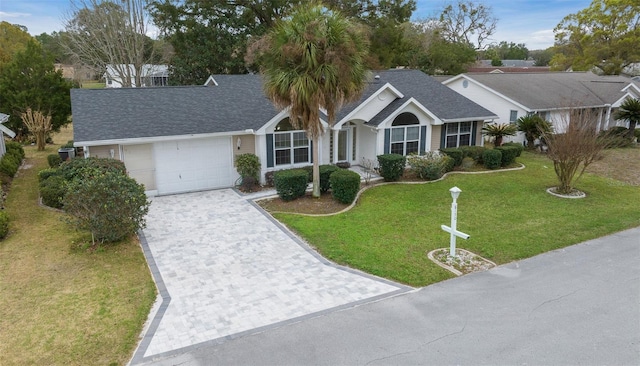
<point>236,104</point>
<point>544,91</point>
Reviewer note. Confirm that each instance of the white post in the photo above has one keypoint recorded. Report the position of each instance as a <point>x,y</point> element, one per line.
<point>455,192</point>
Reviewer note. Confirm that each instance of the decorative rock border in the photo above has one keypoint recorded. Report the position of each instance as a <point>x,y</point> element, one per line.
<point>574,194</point>
<point>467,253</point>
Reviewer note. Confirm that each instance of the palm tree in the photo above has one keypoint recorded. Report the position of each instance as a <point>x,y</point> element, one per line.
<point>498,131</point>
<point>629,111</point>
<point>533,126</point>
<point>313,59</point>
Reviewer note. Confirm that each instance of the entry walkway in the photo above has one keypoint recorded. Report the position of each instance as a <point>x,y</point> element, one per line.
<point>224,269</point>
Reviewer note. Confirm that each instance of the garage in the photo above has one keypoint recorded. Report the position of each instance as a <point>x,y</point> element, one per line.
<point>193,165</point>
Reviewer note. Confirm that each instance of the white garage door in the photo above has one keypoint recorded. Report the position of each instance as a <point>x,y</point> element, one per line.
<point>193,165</point>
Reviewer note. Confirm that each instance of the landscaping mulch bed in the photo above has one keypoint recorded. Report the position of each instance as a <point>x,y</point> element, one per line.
<point>304,205</point>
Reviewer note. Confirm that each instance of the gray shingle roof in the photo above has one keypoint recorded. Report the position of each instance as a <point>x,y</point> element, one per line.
<point>542,91</point>
<point>236,104</point>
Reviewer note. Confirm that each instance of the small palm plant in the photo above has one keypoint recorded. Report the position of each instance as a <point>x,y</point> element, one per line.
<point>533,126</point>
<point>629,111</point>
<point>498,131</point>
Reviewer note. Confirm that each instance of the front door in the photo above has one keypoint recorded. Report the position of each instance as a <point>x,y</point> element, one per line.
<point>344,144</point>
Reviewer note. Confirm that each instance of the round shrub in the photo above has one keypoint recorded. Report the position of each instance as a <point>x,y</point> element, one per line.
<point>16,147</point>
<point>468,163</point>
<point>52,191</point>
<point>44,174</point>
<point>248,165</point>
<point>325,173</point>
<point>9,165</point>
<point>345,185</point>
<point>430,166</point>
<point>473,152</point>
<point>517,145</point>
<point>492,158</point>
<point>391,166</point>
<point>4,224</point>
<point>54,160</point>
<point>447,164</point>
<point>455,153</point>
<point>291,183</point>
<point>75,168</point>
<point>509,153</point>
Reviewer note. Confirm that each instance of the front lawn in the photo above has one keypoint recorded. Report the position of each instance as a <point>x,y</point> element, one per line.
<point>62,304</point>
<point>508,215</point>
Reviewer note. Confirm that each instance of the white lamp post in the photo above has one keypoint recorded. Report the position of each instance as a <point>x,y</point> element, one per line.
<point>455,192</point>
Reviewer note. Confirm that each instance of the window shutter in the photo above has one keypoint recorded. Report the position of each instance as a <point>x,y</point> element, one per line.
<point>474,130</point>
<point>423,139</point>
<point>270,150</point>
<point>387,140</point>
<point>443,136</point>
<point>310,151</point>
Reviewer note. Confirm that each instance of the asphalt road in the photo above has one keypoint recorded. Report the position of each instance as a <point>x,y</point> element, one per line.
<point>575,306</point>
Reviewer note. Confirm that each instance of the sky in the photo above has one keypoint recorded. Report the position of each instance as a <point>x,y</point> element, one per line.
<point>520,21</point>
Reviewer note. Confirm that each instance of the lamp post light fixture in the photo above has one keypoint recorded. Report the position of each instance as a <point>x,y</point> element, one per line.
<point>455,193</point>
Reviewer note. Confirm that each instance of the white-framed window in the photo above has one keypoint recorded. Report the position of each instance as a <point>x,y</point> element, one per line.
<point>513,116</point>
<point>290,146</point>
<point>405,135</point>
<point>458,134</point>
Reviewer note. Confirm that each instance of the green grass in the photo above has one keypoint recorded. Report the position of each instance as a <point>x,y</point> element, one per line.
<point>508,215</point>
<point>93,85</point>
<point>62,304</point>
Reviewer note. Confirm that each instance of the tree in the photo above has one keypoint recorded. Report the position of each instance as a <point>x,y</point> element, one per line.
<point>109,32</point>
<point>629,111</point>
<point>110,205</point>
<point>499,131</point>
<point>54,44</point>
<point>507,51</point>
<point>313,60</point>
<point>30,80</point>
<point>13,38</point>
<point>575,148</point>
<point>39,124</point>
<point>542,57</point>
<point>606,35</point>
<point>468,22</point>
<point>533,126</point>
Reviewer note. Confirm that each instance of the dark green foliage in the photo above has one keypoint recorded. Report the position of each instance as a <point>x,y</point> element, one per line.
<point>448,164</point>
<point>68,145</point>
<point>9,164</point>
<point>430,166</point>
<point>509,154</point>
<point>54,160</point>
<point>456,153</point>
<point>291,183</point>
<point>4,224</point>
<point>248,165</point>
<point>30,80</point>
<point>52,190</point>
<point>76,167</point>
<point>109,204</point>
<point>473,152</point>
<point>492,158</point>
<point>16,147</point>
<point>309,170</point>
<point>517,145</point>
<point>345,185</point>
<point>325,173</point>
<point>391,166</point>
<point>44,174</point>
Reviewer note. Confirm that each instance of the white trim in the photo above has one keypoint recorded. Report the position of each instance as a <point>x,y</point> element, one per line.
<point>147,140</point>
<point>631,85</point>
<point>470,119</point>
<point>394,114</point>
<point>357,109</point>
<point>210,79</point>
<point>446,82</point>
<point>618,102</point>
<point>279,117</point>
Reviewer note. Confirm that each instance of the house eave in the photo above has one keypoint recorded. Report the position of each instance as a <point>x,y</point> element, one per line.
<point>149,140</point>
<point>468,119</point>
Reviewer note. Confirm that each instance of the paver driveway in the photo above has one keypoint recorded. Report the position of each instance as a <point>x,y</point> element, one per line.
<point>225,269</point>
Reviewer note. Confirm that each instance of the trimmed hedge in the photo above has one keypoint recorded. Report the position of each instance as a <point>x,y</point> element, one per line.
<point>74,168</point>
<point>473,152</point>
<point>456,153</point>
<point>4,224</point>
<point>16,147</point>
<point>291,183</point>
<point>54,160</point>
<point>52,190</point>
<point>325,173</point>
<point>492,158</point>
<point>9,164</point>
<point>391,166</point>
<point>345,185</point>
<point>248,165</point>
<point>45,174</point>
<point>430,166</point>
<point>517,145</point>
<point>509,154</point>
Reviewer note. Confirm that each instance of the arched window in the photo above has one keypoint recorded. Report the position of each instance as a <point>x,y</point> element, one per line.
<point>405,134</point>
<point>290,146</point>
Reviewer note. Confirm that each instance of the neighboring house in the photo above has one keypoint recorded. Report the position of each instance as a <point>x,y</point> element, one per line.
<point>508,66</point>
<point>550,95</point>
<point>152,75</point>
<point>180,139</point>
<point>4,118</point>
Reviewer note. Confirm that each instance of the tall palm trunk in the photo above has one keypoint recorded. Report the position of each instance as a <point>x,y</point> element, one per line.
<point>316,167</point>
